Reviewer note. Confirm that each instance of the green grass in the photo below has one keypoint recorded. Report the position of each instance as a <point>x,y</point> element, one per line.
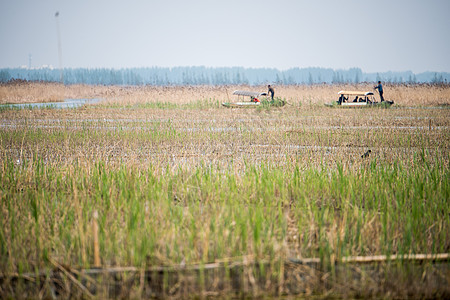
<point>178,184</point>
<point>165,105</point>
<point>206,214</point>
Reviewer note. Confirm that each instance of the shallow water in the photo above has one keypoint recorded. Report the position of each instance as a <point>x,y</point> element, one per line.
<point>67,103</point>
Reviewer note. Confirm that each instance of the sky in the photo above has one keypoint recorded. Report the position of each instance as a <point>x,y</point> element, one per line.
<point>376,36</point>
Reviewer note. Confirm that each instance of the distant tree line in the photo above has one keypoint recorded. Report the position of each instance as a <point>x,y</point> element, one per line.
<point>214,76</point>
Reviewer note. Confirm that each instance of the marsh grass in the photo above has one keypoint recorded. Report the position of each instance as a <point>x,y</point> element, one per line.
<point>178,182</point>
<point>205,214</point>
<point>298,95</point>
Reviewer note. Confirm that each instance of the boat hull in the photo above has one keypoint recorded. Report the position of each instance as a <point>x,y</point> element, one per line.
<point>384,104</point>
<point>276,103</point>
<point>241,104</point>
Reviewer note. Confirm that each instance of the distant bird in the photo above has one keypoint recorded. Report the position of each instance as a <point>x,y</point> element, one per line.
<point>366,154</point>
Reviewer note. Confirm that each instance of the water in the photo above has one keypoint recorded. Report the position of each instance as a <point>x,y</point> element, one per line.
<point>67,103</point>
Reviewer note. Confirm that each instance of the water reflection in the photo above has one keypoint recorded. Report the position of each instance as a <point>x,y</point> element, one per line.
<point>67,103</point>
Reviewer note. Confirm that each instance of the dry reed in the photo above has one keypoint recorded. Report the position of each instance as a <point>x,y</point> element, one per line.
<point>28,92</point>
<point>179,180</point>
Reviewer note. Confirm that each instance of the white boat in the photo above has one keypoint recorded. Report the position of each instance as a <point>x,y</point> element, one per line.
<point>357,99</point>
<point>256,99</point>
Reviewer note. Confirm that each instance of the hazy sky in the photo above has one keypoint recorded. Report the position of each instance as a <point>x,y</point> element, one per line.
<point>376,36</point>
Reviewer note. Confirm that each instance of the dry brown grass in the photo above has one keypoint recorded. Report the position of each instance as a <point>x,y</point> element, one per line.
<point>33,92</point>
<point>311,134</point>
<point>403,95</point>
<point>172,168</point>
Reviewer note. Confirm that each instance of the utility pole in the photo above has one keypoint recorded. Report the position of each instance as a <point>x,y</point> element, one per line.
<point>61,74</point>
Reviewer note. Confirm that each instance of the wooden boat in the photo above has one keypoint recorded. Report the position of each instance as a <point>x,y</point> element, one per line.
<point>357,99</point>
<point>256,99</point>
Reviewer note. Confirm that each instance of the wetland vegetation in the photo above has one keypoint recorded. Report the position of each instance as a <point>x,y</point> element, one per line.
<point>178,180</point>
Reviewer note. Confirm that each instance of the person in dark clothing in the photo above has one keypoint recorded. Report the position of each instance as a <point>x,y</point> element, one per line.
<point>380,90</point>
<point>366,154</point>
<point>271,91</point>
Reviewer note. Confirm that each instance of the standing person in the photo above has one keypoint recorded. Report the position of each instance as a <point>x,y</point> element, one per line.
<point>271,91</point>
<point>380,90</point>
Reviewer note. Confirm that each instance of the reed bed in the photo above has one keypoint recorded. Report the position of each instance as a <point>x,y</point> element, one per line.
<point>178,180</point>
<point>402,94</point>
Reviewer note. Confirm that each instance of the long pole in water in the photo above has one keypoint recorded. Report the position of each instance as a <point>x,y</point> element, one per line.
<point>61,75</point>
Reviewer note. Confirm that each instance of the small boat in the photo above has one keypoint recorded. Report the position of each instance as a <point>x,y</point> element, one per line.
<point>256,99</point>
<point>357,99</point>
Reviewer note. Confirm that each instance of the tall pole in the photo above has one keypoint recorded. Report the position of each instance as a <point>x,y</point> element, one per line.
<point>61,74</point>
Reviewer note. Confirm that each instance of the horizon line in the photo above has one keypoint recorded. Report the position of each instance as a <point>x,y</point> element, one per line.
<point>51,67</point>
